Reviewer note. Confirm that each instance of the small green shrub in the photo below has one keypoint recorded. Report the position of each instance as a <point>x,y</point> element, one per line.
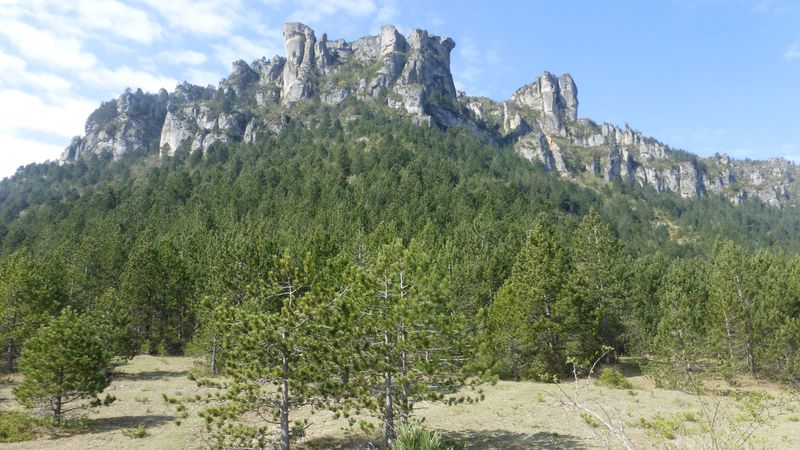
<point>589,420</point>
<point>18,427</point>
<point>614,378</point>
<point>667,427</point>
<point>416,438</point>
<point>136,432</point>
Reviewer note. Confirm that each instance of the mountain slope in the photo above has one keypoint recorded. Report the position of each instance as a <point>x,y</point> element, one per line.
<point>412,74</point>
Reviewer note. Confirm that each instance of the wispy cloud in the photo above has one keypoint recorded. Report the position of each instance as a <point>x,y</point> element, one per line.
<point>793,52</point>
<point>239,47</point>
<point>47,48</point>
<point>203,77</point>
<point>471,66</point>
<point>316,10</point>
<point>182,57</point>
<point>203,18</point>
<point>775,7</point>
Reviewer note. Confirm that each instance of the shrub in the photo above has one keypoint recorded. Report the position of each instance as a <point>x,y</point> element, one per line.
<point>136,432</point>
<point>614,378</point>
<point>65,362</point>
<point>416,438</point>
<point>18,427</point>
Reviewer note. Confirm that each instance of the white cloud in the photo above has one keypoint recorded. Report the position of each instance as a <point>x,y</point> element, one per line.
<point>117,79</point>
<point>316,10</point>
<point>387,12</point>
<point>204,18</point>
<point>62,116</point>
<point>238,47</point>
<point>203,77</point>
<point>774,7</point>
<point>15,73</point>
<point>182,57</point>
<point>16,152</point>
<point>59,52</point>
<point>117,18</point>
<point>471,67</point>
<point>793,52</point>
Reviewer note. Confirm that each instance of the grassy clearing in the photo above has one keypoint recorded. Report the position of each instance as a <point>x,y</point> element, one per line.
<point>513,416</point>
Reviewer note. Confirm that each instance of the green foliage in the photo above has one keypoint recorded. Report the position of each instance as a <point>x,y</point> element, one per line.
<point>137,432</point>
<point>526,320</point>
<point>280,340</point>
<point>667,427</point>
<point>411,437</point>
<point>18,427</point>
<point>410,347</point>
<point>613,378</point>
<point>64,363</point>
<point>445,243</point>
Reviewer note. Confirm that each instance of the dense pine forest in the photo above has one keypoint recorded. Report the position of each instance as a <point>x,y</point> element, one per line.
<point>369,263</point>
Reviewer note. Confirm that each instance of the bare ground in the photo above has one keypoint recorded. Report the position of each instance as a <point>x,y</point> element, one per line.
<point>513,416</point>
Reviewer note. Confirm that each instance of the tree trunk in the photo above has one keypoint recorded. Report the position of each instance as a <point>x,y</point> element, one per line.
<point>751,359</point>
<point>388,416</point>
<point>57,409</point>
<point>404,388</point>
<point>12,350</point>
<point>284,403</point>
<point>731,353</point>
<point>389,413</point>
<point>214,356</point>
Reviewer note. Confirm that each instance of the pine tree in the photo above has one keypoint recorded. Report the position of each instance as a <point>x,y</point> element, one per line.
<point>407,340</point>
<point>595,289</point>
<point>732,294</point>
<point>64,363</point>
<point>281,339</point>
<point>31,290</point>
<point>681,338</point>
<point>525,323</point>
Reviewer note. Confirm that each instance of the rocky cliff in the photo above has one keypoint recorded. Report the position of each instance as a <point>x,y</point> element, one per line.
<point>412,74</point>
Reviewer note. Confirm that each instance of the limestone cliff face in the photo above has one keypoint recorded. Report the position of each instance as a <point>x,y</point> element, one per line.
<point>412,75</point>
<point>132,121</point>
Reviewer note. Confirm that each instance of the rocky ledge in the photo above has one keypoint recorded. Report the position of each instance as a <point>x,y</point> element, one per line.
<point>412,74</point>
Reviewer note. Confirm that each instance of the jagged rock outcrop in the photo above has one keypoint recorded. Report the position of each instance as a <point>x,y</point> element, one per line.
<point>298,70</point>
<point>130,122</point>
<point>412,74</point>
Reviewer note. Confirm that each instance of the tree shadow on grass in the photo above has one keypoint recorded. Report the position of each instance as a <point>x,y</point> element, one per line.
<point>509,440</point>
<point>479,440</point>
<point>336,443</point>
<point>151,375</point>
<point>631,366</point>
<point>105,424</point>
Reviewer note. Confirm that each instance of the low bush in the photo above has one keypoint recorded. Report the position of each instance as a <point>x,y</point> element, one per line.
<point>18,427</point>
<point>417,438</point>
<point>614,378</point>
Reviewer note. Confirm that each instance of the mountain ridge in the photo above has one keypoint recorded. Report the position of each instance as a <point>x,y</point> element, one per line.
<point>412,74</point>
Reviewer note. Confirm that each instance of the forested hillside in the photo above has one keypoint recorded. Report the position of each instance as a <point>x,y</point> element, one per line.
<point>473,244</point>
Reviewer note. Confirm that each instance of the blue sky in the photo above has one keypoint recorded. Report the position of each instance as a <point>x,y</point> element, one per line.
<point>703,75</point>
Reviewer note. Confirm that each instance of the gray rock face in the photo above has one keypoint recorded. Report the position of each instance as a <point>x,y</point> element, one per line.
<point>412,74</point>
<point>549,101</point>
<point>300,42</point>
<point>130,122</point>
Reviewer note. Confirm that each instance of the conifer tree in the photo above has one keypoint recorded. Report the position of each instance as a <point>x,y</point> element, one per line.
<point>595,289</point>
<point>525,322</point>
<point>282,352</point>
<point>681,336</point>
<point>731,307</point>
<point>64,363</point>
<point>410,348</point>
